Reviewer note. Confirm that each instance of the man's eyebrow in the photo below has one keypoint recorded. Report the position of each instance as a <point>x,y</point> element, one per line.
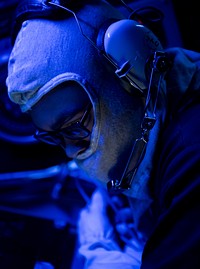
<point>63,117</point>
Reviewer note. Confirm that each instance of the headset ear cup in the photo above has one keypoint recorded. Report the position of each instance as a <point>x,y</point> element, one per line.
<point>129,44</point>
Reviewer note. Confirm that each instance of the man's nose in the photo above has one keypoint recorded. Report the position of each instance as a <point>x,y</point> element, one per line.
<point>74,148</point>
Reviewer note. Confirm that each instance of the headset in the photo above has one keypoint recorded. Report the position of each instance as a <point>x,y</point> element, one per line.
<point>140,61</point>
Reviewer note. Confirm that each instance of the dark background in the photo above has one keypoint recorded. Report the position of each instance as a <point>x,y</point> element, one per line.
<point>34,223</point>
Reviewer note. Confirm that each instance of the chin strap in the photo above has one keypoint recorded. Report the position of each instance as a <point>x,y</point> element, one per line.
<point>159,65</point>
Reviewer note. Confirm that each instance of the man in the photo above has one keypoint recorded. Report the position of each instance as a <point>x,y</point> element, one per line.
<point>127,115</point>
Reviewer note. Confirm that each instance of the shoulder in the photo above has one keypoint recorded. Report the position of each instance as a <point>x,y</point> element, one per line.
<point>175,241</point>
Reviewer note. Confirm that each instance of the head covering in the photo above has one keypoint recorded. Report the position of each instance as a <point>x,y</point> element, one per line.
<point>49,52</point>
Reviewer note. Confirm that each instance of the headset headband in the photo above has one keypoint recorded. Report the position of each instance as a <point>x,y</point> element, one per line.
<point>30,9</point>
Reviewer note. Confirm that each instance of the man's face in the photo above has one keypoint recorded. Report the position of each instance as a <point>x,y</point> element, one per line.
<point>64,119</point>
<point>101,143</point>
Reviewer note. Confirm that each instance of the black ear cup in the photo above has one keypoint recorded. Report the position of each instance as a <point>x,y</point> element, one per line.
<point>101,33</point>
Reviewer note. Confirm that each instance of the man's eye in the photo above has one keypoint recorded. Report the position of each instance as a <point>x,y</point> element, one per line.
<point>69,124</point>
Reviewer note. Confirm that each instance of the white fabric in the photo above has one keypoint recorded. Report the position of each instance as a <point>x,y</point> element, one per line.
<point>97,239</point>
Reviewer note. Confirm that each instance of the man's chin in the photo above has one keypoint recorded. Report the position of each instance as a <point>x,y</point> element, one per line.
<point>93,171</point>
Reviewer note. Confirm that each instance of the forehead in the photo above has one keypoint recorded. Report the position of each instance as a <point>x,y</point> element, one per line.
<point>66,99</point>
